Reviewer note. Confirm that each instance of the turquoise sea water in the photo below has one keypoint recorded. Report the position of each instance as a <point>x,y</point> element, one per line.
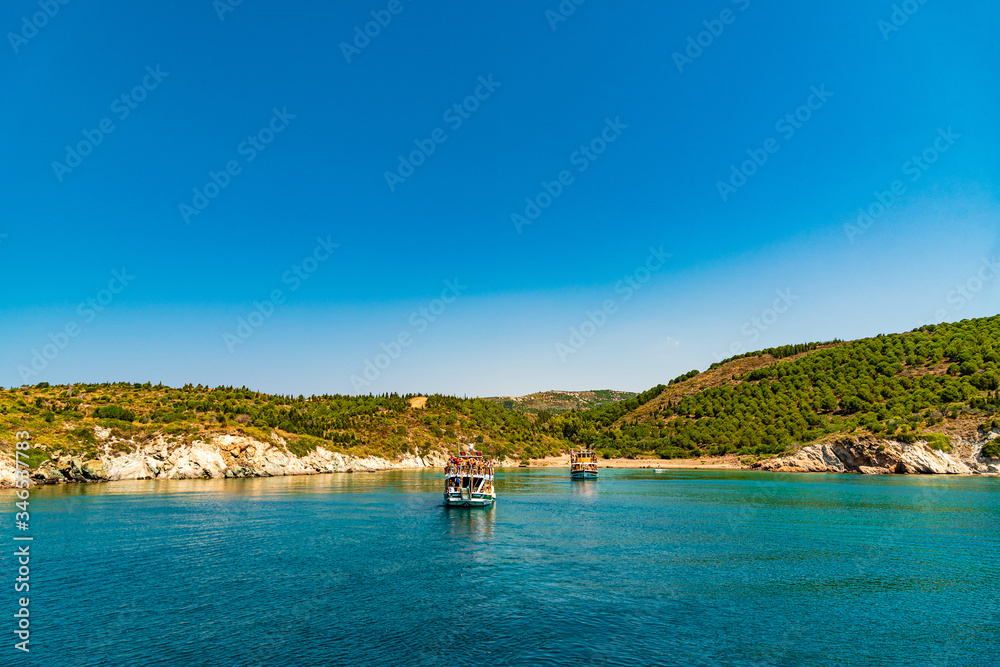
<point>681,568</point>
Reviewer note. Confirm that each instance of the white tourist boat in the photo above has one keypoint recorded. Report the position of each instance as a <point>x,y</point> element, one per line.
<point>468,481</point>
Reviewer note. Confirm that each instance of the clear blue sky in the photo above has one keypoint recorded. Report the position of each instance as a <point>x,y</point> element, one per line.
<point>662,121</point>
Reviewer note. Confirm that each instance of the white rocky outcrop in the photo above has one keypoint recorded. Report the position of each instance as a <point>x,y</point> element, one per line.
<point>875,456</point>
<point>219,456</point>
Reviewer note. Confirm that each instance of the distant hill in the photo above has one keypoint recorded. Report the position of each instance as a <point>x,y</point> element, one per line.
<point>561,401</point>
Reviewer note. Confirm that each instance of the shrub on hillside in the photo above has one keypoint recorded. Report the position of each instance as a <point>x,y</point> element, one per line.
<point>933,440</point>
<point>938,441</point>
<point>114,412</point>
<point>84,435</point>
<point>991,449</point>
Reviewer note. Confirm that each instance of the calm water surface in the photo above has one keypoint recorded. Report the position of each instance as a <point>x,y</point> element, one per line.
<point>682,568</point>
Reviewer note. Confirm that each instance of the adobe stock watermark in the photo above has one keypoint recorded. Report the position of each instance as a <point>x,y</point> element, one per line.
<point>122,106</point>
<point>786,126</point>
<point>901,13</point>
<point>759,324</point>
<point>966,291</point>
<point>562,12</point>
<point>915,167</point>
<point>22,518</point>
<point>31,26</point>
<point>249,148</point>
<point>594,320</point>
<point>293,277</point>
<point>87,311</point>
<point>714,28</point>
<point>419,321</point>
<point>381,18</point>
<point>223,7</point>
<point>581,158</point>
<point>454,116</point>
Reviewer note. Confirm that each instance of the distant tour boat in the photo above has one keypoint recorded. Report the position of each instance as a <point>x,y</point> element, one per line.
<point>468,481</point>
<point>583,464</point>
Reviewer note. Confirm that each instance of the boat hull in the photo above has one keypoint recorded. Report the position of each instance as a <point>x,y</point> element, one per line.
<point>459,500</point>
<point>584,474</point>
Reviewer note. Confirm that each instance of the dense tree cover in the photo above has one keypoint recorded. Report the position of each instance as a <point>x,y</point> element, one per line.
<point>888,385</point>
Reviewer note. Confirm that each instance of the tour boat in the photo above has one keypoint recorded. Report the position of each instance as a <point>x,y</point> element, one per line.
<point>583,464</point>
<point>468,481</point>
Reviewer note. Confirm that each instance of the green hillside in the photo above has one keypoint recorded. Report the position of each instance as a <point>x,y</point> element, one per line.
<point>937,379</point>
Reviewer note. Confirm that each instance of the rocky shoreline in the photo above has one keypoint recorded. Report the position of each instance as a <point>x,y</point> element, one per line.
<point>222,456</point>
<point>237,456</point>
<point>876,456</point>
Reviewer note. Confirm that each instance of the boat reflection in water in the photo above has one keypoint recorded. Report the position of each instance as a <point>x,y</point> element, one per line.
<point>467,525</point>
<point>584,490</point>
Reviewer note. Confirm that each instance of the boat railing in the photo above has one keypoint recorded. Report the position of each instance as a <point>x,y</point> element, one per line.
<point>469,474</point>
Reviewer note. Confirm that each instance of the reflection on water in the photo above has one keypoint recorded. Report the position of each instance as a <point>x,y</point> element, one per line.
<point>469,522</point>
<point>584,487</point>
